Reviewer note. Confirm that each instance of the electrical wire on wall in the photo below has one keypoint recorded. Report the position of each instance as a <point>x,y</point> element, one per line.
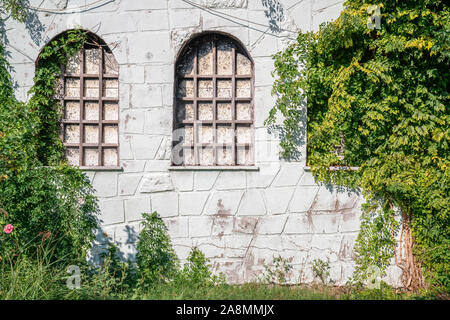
<point>230,18</point>
<point>84,8</point>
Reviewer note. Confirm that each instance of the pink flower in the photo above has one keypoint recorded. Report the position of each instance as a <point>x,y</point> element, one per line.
<point>8,228</point>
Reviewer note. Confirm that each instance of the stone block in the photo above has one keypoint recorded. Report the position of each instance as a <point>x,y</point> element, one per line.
<point>326,223</point>
<point>264,177</point>
<point>125,148</point>
<point>200,226</point>
<point>132,74</point>
<point>245,224</point>
<point>145,147</point>
<point>272,224</point>
<point>222,225</point>
<point>165,203</point>
<point>178,227</point>
<point>347,244</point>
<point>133,166</point>
<point>158,120</point>
<point>303,198</point>
<point>252,203</point>
<point>231,180</point>
<point>298,224</point>
<point>204,180</point>
<point>350,221</point>
<point>105,184</point>
<point>156,182</point>
<point>179,19</point>
<point>278,199</point>
<point>111,211</point>
<point>134,208</point>
<point>289,174</point>
<point>224,202</point>
<point>145,96</point>
<point>183,180</point>
<point>192,203</point>
<point>145,51</point>
<point>158,74</point>
<point>325,200</point>
<point>128,184</point>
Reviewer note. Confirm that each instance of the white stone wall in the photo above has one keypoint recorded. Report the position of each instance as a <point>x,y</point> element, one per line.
<point>239,219</point>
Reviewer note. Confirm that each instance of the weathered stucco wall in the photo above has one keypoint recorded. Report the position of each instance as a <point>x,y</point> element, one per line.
<point>239,219</point>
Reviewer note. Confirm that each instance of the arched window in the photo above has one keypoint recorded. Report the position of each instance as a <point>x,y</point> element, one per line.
<point>90,96</point>
<point>213,118</point>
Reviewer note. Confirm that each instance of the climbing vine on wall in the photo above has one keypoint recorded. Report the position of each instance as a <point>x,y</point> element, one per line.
<point>377,92</point>
<point>45,199</point>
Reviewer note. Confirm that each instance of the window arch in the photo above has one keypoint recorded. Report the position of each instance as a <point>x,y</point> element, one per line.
<point>90,98</point>
<point>213,113</point>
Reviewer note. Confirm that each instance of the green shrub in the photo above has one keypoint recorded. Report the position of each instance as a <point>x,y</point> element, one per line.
<point>321,270</point>
<point>156,259</point>
<point>197,271</point>
<point>40,195</point>
<point>277,272</point>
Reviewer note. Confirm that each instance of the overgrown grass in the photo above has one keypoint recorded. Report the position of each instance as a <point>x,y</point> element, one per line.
<point>37,280</point>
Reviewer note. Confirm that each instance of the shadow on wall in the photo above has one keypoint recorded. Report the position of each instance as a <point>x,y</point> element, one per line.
<point>125,238</point>
<point>275,13</point>
<point>32,24</point>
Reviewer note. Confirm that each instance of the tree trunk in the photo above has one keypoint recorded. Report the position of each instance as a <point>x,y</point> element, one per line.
<point>412,276</point>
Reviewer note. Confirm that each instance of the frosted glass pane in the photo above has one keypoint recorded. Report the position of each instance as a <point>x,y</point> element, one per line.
<point>224,88</point>
<point>205,59</point>
<point>224,58</point>
<point>111,134</point>
<point>185,89</point>
<point>91,134</point>
<point>74,64</point>
<point>92,61</point>
<point>205,134</point>
<point>186,65</point>
<point>206,156</point>
<point>91,110</point>
<point>243,111</point>
<point>111,65</point>
<point>111,88</point>
<point>72,133</point>
<point>243,88</point>
<point>72,110</point>
<point>188,155</point>
<point>205,111</point>
<point>243,65</point>
<point>224,111</point>
<point>188,135</point>
<point>90,157</point>
<point>205,88</point>
<point>72,86</point>
<point>73,156</point>
<point>110,157</point>
<point>91,88</point>
<point>185,111</point>
<point>110,111</point>
<point>224,156</point>
<point>244,156</point>
<point>224,134</point>
<point>243,135</point>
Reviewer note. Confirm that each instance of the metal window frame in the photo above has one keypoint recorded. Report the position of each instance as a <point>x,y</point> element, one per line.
<point>101,123</point>
<point>194,44</point>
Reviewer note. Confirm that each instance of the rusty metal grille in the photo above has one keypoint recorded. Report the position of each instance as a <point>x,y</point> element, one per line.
<point>90,98</point>
<point>214,117</point>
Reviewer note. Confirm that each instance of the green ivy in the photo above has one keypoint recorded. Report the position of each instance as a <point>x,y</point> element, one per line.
<point>44,198</point>
<point>380,96</point>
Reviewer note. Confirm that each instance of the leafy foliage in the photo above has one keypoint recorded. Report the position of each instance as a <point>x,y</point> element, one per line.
<point>378,99</point>
<point>40,194</point>
<point>156,259</point>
